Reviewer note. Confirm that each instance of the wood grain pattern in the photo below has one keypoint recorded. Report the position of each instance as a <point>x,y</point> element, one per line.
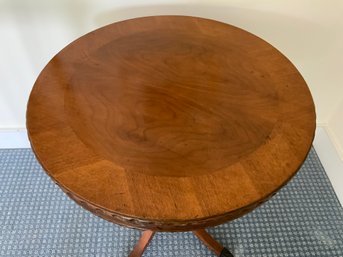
<point>170,123</point>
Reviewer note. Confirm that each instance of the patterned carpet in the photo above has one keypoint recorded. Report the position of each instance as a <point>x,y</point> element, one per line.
<point>37,219</point>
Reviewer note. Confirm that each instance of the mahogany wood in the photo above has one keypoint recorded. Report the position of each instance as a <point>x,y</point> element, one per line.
<point>208,240</point>
<point>170,123</point>
<point>142,243</point>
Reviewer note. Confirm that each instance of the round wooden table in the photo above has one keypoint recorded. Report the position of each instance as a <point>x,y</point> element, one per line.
<point>170,123</point>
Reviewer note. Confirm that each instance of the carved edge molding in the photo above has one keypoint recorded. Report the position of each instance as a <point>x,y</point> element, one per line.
<point>161,225</point>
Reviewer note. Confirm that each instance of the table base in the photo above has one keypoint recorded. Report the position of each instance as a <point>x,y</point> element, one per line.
<point>206,238</point>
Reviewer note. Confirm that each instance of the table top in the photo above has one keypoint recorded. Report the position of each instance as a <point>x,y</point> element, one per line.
<point>170,123</point>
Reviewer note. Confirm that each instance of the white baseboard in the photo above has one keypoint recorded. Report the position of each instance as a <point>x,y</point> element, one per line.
<point>334,139</point>
<point>325,148</point>
<point>14,138</point>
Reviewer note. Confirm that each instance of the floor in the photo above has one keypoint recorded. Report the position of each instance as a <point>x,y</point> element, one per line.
<point>304,219</point>
<point>330,160</point>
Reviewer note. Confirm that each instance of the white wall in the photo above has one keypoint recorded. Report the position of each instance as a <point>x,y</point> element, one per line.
<point>308,32</point>
<point>335,128</point>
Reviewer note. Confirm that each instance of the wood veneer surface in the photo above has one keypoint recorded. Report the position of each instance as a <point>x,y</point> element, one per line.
<point>170,123</point>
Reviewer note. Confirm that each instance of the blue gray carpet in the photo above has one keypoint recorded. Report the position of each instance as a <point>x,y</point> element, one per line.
<point>37,219</point>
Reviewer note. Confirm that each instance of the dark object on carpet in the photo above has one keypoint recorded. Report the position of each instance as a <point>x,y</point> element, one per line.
<point>36,219</point>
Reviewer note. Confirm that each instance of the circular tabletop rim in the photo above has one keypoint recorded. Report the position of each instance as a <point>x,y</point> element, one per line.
<point>168,224</point>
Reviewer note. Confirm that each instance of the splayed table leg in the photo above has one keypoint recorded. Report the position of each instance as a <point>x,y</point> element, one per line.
<point>212,244</point>
<point>142,243</point>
